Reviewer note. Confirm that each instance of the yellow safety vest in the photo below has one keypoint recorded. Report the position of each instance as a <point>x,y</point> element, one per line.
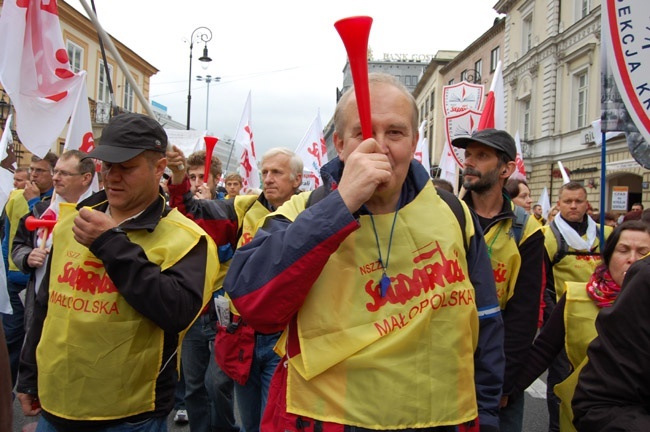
<point>580,314</point>
<point>400,361</point>
<point>98,358</point>
<point>571,267</point>
<point>15,209</point>
<point>505,259</point>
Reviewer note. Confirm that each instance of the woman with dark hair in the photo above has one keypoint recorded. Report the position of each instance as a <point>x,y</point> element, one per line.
<point>572,322</point>
<point>520,193</point>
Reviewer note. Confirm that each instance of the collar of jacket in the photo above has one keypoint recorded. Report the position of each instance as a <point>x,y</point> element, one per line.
<point>148,219</point>
<point>507,211</point>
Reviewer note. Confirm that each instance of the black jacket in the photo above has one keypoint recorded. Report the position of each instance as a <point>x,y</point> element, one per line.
<point>613,392</point>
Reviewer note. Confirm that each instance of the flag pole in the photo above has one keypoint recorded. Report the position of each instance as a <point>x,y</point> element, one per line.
<point>120,62</point>
<point>603,175</point>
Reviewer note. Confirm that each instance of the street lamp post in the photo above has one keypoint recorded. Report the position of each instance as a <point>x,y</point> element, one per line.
<point>202,34</point>
<point>208,79</point>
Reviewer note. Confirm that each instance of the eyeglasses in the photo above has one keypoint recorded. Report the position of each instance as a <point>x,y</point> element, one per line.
<point>39,171</point>
<point>65,173</point>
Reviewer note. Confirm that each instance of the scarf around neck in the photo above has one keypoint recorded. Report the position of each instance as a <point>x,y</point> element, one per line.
<point>601,288</point>
<point>573,239</point>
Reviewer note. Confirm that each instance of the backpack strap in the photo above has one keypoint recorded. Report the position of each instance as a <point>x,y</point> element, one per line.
<point>317,194</point>
<point>457,208</point>
<point>518,225</point>
<point>563,247</point>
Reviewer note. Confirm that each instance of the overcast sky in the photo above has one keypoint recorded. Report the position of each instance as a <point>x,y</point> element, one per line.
<point>287,53</point>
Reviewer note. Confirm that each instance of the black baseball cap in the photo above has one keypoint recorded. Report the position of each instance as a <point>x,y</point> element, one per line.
<point>128,135</point>
<point>495,138</point>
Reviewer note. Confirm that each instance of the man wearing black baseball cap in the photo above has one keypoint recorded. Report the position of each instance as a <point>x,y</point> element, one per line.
<point>516,247</point>
<point>117,294</point>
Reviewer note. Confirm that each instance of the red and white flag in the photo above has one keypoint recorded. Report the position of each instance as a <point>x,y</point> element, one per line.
<point>422,149</point>
<point>247,160</point>
<point>313,152</point>
<point>520,172</point>
<point>35,71</point>
<point>80,130</point>
<point>493,115</point>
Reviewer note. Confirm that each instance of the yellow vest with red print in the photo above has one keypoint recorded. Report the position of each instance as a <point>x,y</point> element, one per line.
<point>400,361</point>
<point>572,267</point>
<point>249,215</point>
<point>15,209</point>
<point>580,314</point>
<point>95,349</point>
<point>505,259</point>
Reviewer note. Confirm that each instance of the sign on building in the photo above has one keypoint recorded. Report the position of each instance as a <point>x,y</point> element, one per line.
<point>619,198</point>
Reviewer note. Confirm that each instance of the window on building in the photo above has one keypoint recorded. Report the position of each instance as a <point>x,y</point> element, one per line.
<point>103,93</point>
<point>75,54</point>
<point>581,84</point>
<point>582,8</point>
<point>463,75</point>
<point>527,34</point>
<point>478,70</point>
<point>451,81</point>
<point>433,99</point>
<point>426,107</point>
<point>526,118</point>
<point>127,104</point>
<point>494,58</point>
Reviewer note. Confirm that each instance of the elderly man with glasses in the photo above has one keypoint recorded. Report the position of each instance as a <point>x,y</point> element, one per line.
<point>22,201</point>
<point>72,178</point>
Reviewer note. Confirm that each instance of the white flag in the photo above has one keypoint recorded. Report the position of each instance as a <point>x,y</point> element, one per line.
<point>7,165</point>
<point>35,71</point>
<point>448,165</point>
<point>565,176</point>
<point>545,203</point>
<point>313,151</point>
<point>422,149</point>
<point>247,161</point>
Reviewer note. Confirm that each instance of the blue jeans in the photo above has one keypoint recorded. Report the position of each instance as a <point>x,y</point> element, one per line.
<point>14,327</point>
<point>208,390</point>
<point>179,395</point>
<point>511,417</point>
<point>154,424</point>
<point>252,397</point>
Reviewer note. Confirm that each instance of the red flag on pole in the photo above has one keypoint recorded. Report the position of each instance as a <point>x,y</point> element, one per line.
<point>493,115</point>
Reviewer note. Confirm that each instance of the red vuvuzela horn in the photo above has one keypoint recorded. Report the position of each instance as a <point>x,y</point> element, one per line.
<point>210,142</point>
<point>354,32</point>
<point>32,223</point>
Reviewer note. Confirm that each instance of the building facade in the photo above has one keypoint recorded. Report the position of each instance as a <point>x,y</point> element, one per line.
<point>552,90</point>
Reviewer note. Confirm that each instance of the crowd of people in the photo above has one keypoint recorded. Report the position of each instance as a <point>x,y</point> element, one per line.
<point>346,308</point>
